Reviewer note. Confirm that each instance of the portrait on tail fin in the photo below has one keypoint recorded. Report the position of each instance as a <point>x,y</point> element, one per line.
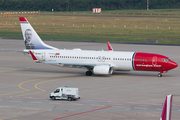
<point>28,36</point>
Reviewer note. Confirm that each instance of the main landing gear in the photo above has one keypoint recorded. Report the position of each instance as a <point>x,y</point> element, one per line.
<point>89,73</point>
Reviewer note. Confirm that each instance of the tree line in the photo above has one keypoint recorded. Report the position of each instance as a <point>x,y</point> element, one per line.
<point>85,5</point>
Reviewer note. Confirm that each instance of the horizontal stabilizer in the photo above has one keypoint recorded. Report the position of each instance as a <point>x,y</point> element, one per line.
<point>34,57</point>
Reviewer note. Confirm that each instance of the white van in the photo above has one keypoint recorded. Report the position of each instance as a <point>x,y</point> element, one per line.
<point>65,93</point>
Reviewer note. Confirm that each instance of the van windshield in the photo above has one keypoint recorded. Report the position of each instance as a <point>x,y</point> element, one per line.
<point>56,91</point>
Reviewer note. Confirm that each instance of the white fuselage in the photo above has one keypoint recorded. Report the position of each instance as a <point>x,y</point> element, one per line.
<point>118,60</point>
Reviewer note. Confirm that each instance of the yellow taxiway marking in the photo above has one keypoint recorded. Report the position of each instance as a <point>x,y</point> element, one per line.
<point>27,82</point>
<point>15,69</point>
<point>24,89</point>
<point>28,94</point>
<point>50,81</point>
<point>42,90</point>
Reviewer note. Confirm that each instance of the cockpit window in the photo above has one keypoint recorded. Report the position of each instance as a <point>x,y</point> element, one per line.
<point>165,60</point>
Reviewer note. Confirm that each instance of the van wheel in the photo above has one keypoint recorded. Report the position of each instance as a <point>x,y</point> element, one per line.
<point>69,98</point>
<point>53,98</point>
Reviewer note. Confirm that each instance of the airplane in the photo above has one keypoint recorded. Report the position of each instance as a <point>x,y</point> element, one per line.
<point>96,62</point>
<point>166,112</point>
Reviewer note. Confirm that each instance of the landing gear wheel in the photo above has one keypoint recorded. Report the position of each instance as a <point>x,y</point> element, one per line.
<point>88,73</point>
<point>159,75</point>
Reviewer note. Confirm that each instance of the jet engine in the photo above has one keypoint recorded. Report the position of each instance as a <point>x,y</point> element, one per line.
<point>103,70</point>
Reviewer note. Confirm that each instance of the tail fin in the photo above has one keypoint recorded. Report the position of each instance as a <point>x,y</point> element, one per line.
<point>31,38</point>
<point>166,113</point>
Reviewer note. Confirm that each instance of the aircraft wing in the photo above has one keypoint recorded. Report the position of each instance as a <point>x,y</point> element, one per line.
<point>71,65</point>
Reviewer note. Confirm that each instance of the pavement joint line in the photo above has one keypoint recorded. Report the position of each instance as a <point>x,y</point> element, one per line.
<point>145,103</point>
<point>142,105</point>
<point>119,106</point>
<point>35,102</point>
<point>54,103</point>
<point>15,101</point>
<point>96,105</point>
<point>140,108</point>
<point>76,104</point>
<point>28,94</point>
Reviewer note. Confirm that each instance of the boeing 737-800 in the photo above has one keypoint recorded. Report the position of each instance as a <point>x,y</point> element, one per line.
<point>97,62</point>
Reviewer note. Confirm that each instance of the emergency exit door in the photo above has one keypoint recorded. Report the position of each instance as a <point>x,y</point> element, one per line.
<point>43,56</point>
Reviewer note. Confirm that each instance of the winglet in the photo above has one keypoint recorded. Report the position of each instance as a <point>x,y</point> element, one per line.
<point>166,112</point>
<point>109,46</point>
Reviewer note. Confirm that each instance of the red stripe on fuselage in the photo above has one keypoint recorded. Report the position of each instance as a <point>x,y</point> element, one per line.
<point>152,62</point>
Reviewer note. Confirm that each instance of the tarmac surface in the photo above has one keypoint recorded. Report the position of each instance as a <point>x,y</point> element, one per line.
<point>133,95</point>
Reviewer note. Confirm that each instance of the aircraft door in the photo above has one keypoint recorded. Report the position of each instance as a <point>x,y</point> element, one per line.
<point>154,60</point>
<point>43,56</point>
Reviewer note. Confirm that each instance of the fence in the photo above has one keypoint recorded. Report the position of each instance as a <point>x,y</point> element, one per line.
<point>19,13</point>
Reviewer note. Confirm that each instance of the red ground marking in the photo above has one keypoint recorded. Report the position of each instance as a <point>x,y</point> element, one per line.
<point>81,113</point>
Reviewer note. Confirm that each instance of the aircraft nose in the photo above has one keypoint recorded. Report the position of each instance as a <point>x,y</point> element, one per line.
<point>173,64</point>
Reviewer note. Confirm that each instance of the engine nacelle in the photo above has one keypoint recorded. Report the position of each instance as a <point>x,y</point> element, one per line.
<point>103,70</point>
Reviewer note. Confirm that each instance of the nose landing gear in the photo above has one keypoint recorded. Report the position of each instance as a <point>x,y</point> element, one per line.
<point>160,73</point>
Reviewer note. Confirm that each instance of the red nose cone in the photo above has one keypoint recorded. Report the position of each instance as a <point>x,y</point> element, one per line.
<point>173,64</point>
